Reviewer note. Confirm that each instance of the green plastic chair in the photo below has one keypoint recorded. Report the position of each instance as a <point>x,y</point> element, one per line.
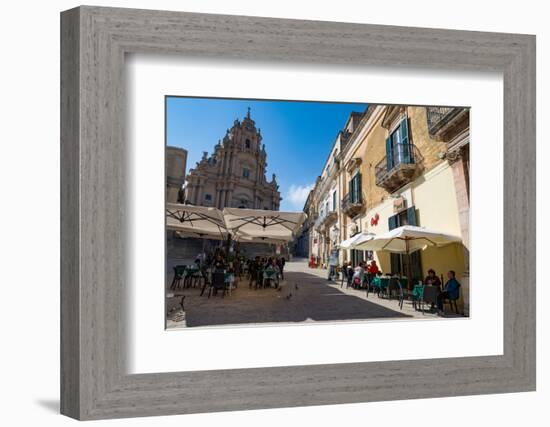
<point>179,276</point>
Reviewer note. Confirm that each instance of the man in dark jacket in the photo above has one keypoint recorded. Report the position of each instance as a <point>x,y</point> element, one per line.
<point>281,264</point>
<point>451,290</point>
<point>255,270</point>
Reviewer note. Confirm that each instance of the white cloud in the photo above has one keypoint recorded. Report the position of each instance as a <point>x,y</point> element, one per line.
<point>297,195</point>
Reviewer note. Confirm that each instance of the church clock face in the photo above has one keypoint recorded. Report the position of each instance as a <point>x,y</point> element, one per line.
<point>248,126</point>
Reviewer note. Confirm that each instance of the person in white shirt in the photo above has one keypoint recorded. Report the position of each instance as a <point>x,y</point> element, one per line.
<point>357,278</point>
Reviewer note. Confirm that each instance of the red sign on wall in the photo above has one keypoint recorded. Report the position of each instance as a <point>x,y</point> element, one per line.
<point>374,220</point>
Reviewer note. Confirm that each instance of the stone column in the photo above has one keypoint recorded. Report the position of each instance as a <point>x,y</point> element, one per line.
<point>222,168</point>
<point>459,164</point>
<point>229,195</point>
<point>234,166</point>
<point>200,189</point>
<point>189,192</point>
<point>219,199</point>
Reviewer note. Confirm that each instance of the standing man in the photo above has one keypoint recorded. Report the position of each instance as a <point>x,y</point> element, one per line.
<point>281,264</point>
<point>332,263</point>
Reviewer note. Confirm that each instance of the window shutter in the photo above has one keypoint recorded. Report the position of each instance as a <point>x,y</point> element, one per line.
<point>358,189</point>
<point>404,141</point>
<point>389,154</point>
<point>411,216</point>
<point>392,222</point>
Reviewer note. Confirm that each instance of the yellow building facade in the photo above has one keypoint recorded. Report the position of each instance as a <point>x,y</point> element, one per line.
<point>403,166</point>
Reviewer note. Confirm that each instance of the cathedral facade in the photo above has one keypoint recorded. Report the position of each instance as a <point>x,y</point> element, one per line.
<point>234,174</point>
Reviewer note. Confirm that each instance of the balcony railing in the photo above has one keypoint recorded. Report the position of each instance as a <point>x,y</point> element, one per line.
<point>352,204</point>
<point>325,220</point>
<point>442,119</point>
<point>404,165</point>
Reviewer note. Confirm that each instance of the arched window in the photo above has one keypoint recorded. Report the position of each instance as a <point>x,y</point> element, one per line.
<point>247,143</point>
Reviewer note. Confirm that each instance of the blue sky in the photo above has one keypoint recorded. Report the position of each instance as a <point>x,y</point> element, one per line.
<point>297,135</point>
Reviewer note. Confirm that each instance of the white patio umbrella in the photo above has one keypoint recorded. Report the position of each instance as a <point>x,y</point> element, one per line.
<point>199,234</point>
<point>408,239</point>
<point>245,238</point>
<point>357,239</point>
<point>266,224</point>
<point>196,221</point>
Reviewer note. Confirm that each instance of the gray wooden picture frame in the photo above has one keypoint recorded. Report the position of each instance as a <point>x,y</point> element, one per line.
<point>94,41</point>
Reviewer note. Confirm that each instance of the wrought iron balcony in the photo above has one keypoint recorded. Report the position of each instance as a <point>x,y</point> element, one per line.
<point>404,165</point>
<point>444,121</point>
<point>352,204</point>
<point>326,220</point>
<point>318,222</point>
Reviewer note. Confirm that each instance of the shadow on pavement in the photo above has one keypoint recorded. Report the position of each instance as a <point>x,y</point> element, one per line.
<point>313,300</point>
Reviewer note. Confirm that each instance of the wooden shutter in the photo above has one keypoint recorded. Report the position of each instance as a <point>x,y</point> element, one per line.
<point>411,216</point>
<point>389,153</point>
<point>359,190</point>
<point>404,142</point>
<point>392,222</point>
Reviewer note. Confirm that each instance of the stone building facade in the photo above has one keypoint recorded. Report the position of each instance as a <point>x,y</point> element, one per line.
<point>234,174</point>
<point>403,165</point>
<point>303,243</point>
<point>175,164</point>
<point>327,195</point>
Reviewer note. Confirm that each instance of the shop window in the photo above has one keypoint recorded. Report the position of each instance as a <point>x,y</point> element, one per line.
<point>399,262</point>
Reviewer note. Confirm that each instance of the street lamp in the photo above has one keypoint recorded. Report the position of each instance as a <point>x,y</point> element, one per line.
<point>336,234</point>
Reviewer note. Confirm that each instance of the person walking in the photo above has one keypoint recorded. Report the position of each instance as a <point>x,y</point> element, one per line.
<point>281,264</point>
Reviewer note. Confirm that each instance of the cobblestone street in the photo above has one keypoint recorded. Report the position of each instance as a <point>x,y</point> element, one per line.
<point>305,296</point>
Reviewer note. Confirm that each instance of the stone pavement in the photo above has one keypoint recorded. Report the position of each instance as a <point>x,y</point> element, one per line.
<point>305,296</point>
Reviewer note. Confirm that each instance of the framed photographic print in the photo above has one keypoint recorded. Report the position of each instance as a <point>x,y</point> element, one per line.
<point>262,213</point>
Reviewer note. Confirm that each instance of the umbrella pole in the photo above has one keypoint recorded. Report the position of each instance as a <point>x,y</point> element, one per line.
<point>228,245</point>
<point>409,269</point>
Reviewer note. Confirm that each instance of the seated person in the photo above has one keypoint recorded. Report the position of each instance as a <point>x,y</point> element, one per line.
<point>272,267</point>
<point>451,290</point>
<point>255,269</point>
<point>373,267</point>
<point>432,279</point>
<point>349,273</point>
<point>219,263</point>
<point>345,270</point>
<point>357,278</point>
